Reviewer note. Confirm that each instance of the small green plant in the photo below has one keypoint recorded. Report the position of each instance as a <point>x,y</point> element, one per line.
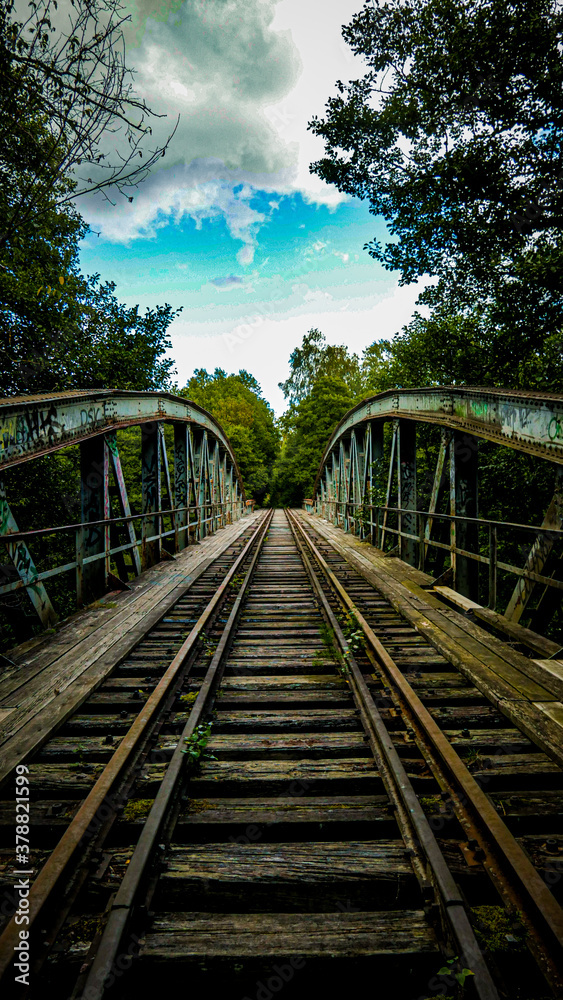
<point>471,757</point>
<point>208,644</point>
<point>188,699</point>
<point>353,633</point>
<point>236,582</point>
<point>456,974</point>
<point>331,651</point>
<point>460,975</point>
<point>196,744</point>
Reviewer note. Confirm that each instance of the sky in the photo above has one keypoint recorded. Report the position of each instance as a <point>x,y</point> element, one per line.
<point>231,226</point>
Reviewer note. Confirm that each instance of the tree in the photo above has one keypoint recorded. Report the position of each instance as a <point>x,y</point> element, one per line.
<point>236,401</point>
<point>309,425</point>
<point>64,91</point>
<point>454,138</point>
<point>314,358</point>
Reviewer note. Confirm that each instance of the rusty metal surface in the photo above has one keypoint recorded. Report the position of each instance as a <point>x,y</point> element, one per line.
<point>400,785</point>
<point>527,421</point>
<point>31,426</point>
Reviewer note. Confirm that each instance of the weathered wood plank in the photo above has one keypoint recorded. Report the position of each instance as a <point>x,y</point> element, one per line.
<point>287,809</point>
<point>177,936</point>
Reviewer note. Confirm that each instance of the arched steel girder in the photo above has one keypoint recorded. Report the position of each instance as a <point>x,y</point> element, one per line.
<point>530,422</point>
<point>31,426</point>
<point>207,490</point>
<point>525,421</point>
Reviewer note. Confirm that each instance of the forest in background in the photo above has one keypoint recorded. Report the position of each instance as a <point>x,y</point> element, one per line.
<point>453,139</point>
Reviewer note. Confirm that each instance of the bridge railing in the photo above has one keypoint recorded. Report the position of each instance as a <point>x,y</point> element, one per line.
<point>360,467</point>
<point>183,496</point>
<point>207,519</point>
<point>370,521</point>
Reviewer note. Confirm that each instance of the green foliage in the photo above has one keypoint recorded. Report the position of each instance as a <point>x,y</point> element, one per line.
<point>455,141</point>
<point>308,426</point>
<point>196,744</point>
<point>236,401</point>
<point>353,633</point>
<point>496,930</point>
<point>453,138</point>
<point>316,358</point>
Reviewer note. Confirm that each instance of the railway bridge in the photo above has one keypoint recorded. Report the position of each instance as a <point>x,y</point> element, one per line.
<point>267,751</point>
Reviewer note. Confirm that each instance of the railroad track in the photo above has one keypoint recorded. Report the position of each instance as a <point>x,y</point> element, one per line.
<point>315,797</point>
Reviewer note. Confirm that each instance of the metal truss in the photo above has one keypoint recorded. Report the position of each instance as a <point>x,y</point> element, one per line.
<point>355,492</point>
<point>206,492</point>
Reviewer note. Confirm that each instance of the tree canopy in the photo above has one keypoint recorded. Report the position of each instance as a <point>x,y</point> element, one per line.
<point>66,99</point>
<point>454,138</point>
<point>236,401</point>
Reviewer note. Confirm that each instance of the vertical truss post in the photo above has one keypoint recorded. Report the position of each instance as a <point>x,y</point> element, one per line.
<point>343,483</point>
<point>407,489</point>
<point>464,503</point>
<point>329,491</point>
<point>493,544</point>
<point>372,469</point>
<point>202,473</point>
<point>214,477</point>
<point>167,484</point>
<point>335,488</point>
<point>150,482</point>
<point>193,487</point>
<point>94,493</point>
<point>113,451</point>
<point>223,488</point>
<point>355,479</point>
<point>24,564</point>
<point>390,479</point>
<point>439,481</point>
<point>229,496</point>
<point>181,486</point>
<point>538,556</point>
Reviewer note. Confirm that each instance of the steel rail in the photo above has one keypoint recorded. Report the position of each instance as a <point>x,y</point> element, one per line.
<point>453,906</point>
<point>62,855</point>
<point>546,912</point>
<point>122,907</point>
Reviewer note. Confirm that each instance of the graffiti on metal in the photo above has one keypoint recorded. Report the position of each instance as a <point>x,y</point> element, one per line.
<point>527,422</point>
<point>43,423</point>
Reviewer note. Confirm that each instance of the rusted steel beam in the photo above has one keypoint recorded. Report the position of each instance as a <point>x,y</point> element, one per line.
<point>111,441</point>
<point>527,421</point>
<point>94,495</point>
<point>406,460</point>
<point>390,479</point>
<point>150,478</point>
<point>464,502</point>
<point>36,425</point>
<point>538,555</point>
<point>181,485</point>
<point>24,565</point>
<point>437,486</point>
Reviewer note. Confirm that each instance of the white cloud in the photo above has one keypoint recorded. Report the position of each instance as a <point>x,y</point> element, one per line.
<point>344,257</point>
<point>245,77</point>
<point>264,342</point>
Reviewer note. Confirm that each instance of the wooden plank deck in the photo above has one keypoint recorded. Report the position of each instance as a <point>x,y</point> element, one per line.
<point>55,674</point>
<point>527,691</point>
